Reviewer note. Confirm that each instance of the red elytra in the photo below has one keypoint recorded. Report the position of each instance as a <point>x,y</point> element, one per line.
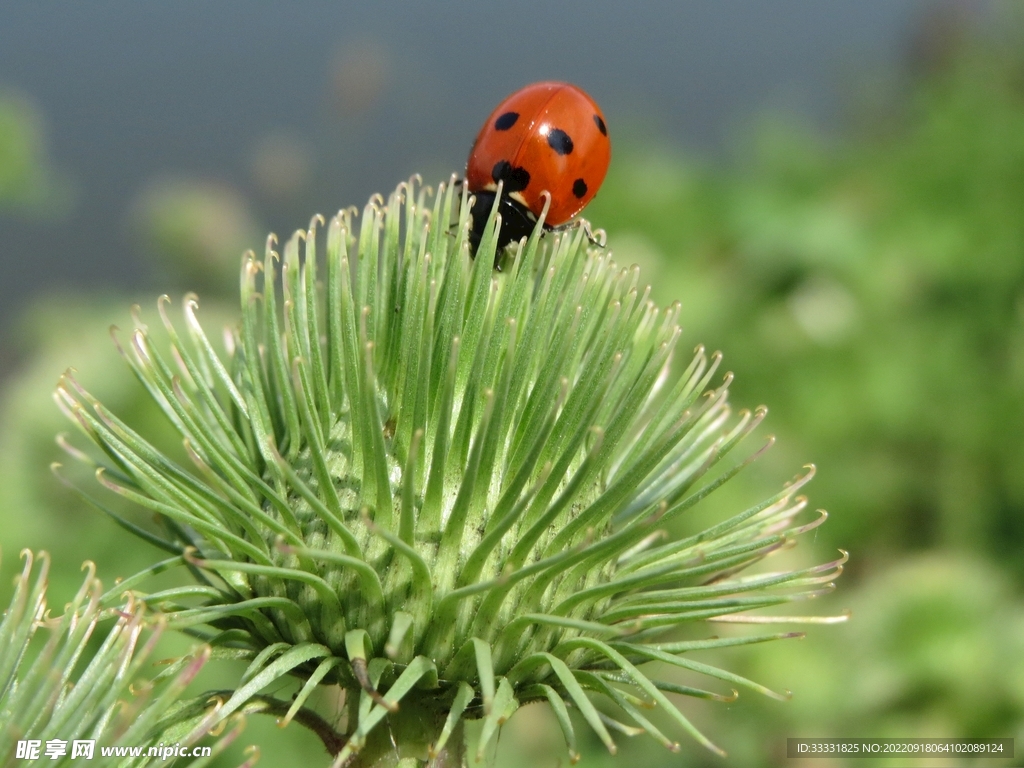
<point>547,137</point>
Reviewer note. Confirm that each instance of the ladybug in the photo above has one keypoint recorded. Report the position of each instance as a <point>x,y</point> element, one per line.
<point>547,137</point>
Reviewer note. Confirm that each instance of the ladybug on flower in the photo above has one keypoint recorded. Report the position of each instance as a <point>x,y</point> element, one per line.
<point>548,139</point>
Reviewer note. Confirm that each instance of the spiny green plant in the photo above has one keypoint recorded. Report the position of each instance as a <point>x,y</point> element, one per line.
<point>58,691</point>
<point>447,488</point>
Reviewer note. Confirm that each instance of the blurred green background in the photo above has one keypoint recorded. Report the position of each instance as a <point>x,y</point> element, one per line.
<point>864,279</point>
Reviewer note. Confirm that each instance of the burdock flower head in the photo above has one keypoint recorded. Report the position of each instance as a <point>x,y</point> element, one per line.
<point>448,489</point>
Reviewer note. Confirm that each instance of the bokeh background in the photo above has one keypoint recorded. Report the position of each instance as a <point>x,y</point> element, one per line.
<point>835,192</point>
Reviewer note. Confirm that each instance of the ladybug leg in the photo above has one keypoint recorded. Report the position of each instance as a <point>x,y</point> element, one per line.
<point>456,183</point>
<point>597,237</point>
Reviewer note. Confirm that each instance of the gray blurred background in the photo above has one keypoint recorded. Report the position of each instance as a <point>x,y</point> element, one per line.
<point>295,107</point>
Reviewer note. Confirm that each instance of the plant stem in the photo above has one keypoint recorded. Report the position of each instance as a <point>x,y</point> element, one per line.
<point>406,739</point>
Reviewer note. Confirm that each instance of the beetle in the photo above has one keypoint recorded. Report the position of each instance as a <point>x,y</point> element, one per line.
<point>549,137</point>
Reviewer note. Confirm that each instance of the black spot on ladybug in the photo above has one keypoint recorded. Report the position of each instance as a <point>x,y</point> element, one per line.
<point>516,179</point>
<point>559,141</point>
<point>600,125</point>
<point>579,188</point>
<point>506,121</point>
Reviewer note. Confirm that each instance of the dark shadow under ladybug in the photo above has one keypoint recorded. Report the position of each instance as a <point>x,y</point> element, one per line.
<point>517,222</point>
